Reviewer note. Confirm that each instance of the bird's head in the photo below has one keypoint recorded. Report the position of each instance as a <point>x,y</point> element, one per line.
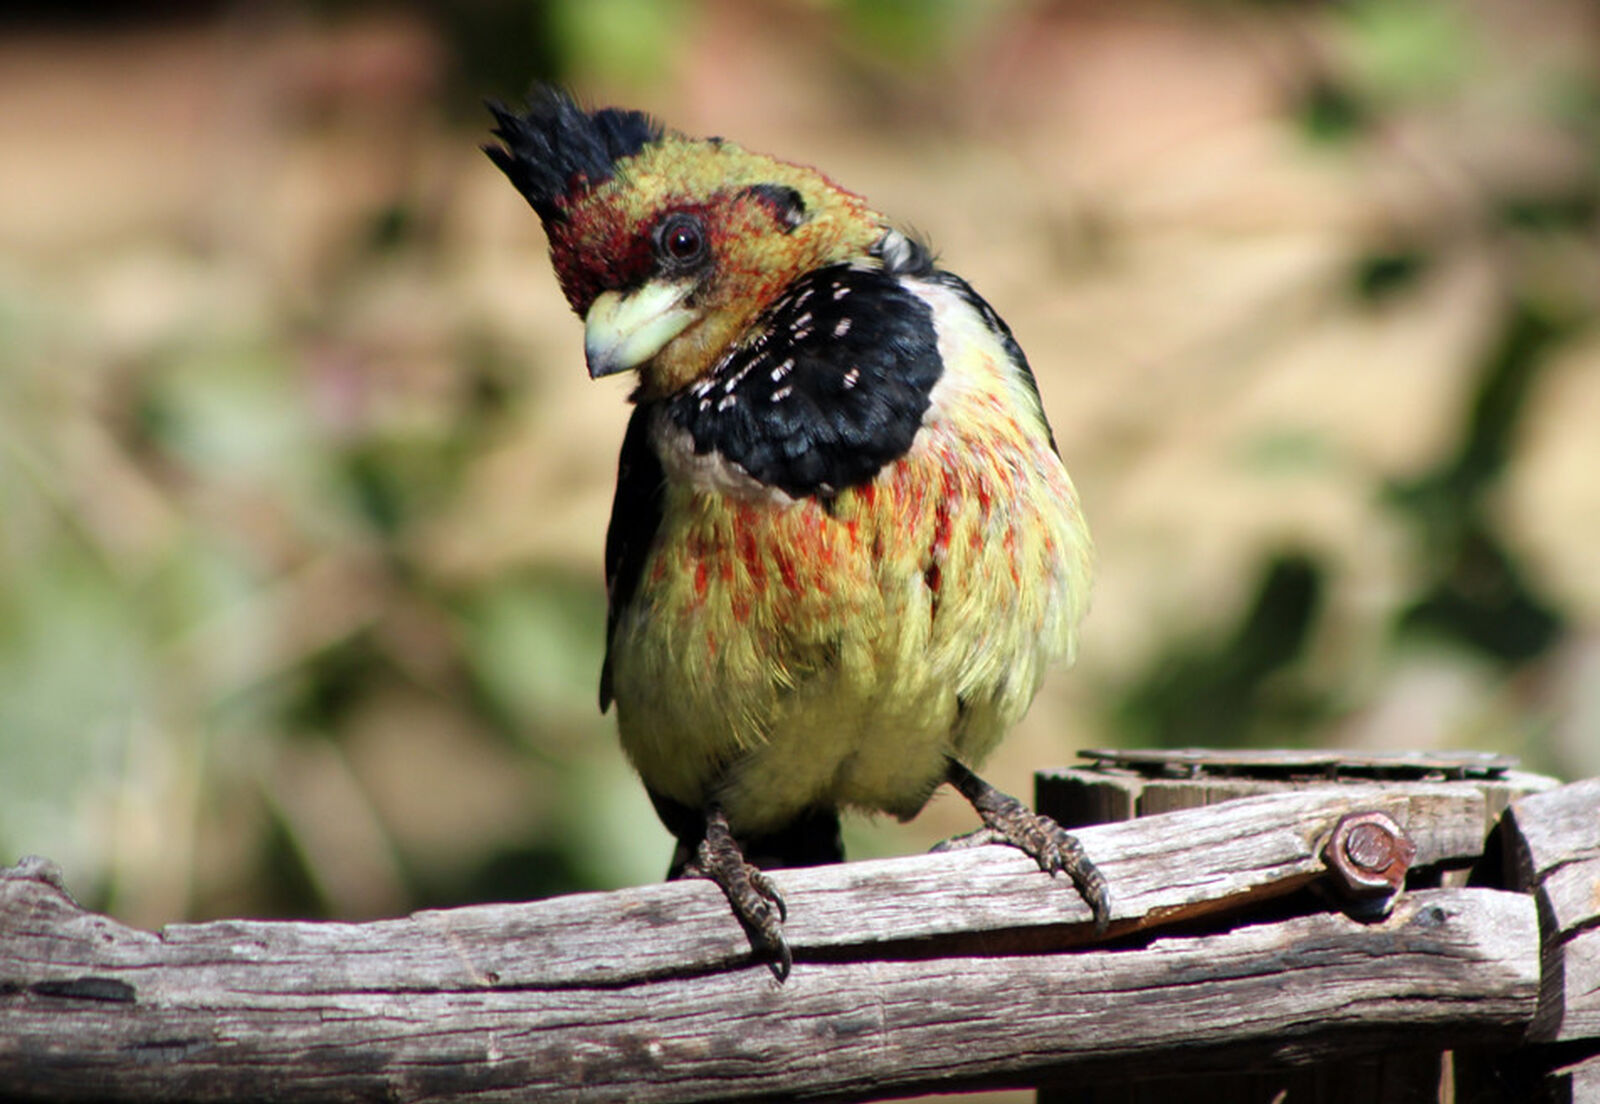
<point>668,246</point>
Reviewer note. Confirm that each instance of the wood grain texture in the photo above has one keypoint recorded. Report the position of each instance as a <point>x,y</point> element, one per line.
<point>215,1015</point>
<point>1122,785</point>
<point>1569,1006</point>
<point>938,970</point>
<point>1553,849</point>
<point>1548,830</point>
<point>1571,895</point>
<point>1180,865</point>
<point>1097,795</point>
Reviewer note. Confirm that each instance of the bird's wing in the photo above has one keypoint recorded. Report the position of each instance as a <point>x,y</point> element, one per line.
<point>635,516</point>
<point>830,385</point>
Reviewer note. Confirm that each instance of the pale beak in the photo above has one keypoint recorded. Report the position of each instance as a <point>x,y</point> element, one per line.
<point>623,330</point>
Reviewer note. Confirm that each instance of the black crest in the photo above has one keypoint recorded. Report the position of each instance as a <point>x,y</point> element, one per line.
<point>556,146</point>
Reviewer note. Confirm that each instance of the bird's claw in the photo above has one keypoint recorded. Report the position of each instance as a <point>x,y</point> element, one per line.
<point>755,900</point>
<point>978,837</point>
<point>1057,851</point>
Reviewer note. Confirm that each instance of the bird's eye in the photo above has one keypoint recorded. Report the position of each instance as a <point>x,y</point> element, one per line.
<point>681,241</point>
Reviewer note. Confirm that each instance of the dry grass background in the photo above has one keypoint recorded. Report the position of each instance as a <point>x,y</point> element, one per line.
<point>303,486</point>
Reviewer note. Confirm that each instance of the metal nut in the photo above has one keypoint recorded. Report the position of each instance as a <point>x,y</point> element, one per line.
<point>1370,854</point>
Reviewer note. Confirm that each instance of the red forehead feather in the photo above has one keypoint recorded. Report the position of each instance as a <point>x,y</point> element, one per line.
<point>592,251</point>
<point>597,248</point>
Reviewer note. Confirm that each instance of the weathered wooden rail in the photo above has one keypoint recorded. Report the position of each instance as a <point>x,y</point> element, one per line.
<point>945,971</point>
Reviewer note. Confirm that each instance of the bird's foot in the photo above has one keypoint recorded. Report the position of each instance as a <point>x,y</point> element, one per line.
<point>1006,820</point>
<point>756,902</point>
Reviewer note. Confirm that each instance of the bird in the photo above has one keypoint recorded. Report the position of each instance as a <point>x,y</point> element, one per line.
<point>843,547</point>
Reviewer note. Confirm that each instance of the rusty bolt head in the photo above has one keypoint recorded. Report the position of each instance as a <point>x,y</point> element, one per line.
<point>1369,853</point>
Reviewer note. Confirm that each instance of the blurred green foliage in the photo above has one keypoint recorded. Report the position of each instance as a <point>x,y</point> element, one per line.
<point>1467,588</point>
<point>1244,689</point>
<point>1471,589</point>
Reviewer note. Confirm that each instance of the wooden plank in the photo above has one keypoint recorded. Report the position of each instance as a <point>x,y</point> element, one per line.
<point>1166,795</point>
<point>1583,1080</point>
<point>1574,1083</point>
<point>1547,830</point>
<point>884,917</point>
<point>1553,849</point>
<point>1306,764</point>
<point>128,1016</point>
<point>1180,865</point>
<point>1078,796</point>
<point>1570,893</point>
<point>1392,1077</point>
<point>1154,782</point>
<point>1569,995</point>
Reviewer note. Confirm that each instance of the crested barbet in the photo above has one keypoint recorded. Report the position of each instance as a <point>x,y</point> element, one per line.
<point>843,547</point>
